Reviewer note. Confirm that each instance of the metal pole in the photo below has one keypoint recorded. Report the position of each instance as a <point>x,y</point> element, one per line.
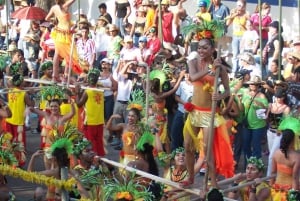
<point>147,92</point>
<point>160,35</point>
<point>279,38</point>
<point>64,176</point>
<point>7,20</point>
<point>78,8</point>
<point>260,38</point>
<point>299,17</point>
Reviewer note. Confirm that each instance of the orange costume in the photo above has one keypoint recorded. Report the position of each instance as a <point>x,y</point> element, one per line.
<point>200,117</point>
<point>62,37</point>
<point>280,191</point>
<point>161,120</point>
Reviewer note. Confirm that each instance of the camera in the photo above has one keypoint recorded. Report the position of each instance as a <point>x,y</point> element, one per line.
<point>241,73</point>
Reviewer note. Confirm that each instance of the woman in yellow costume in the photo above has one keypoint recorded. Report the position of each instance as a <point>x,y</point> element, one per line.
<point>131,131</point>
<point>286,161</point>
<point>257,191</point>
<point>202,65</point>
<point>158,78</point>
<point>62,37</point>
<point>53,122</point>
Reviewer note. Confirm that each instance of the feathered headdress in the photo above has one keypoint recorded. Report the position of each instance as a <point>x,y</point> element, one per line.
<point>160,74</point>
<point>62,143</point>
<point>206,30</point>
<point>290,123</point>
<point>51,92</point>
<point>137,100</point>
<point>126,188</point>
<point>70,132</point>
<point>46,65</point>
<point>147,137</point>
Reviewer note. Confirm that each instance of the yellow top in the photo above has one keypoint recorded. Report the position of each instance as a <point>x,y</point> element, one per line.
<point>16,103</point>
<point>65,108</point>
<point>150,21</point>
<point>239,25</point>
<point>94,108</point>
<point>204,16</point>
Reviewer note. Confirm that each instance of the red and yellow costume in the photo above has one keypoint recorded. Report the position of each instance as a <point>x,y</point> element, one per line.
<point>200,117</point>
<point>15,124</point>
<point>94,120</point>
<point>160,114</point>
<point>62,37</point>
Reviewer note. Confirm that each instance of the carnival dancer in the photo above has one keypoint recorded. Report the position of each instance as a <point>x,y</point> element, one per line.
<point>93,102</point>
<point>202,66</point>
<point>286,161</point>
<point>259,190</point>
<point>62,37</point>
<point>18,99</point>
<point>61,150</point>
<point>53,122</point>
<point>158,79</point>
<point>131,131</point>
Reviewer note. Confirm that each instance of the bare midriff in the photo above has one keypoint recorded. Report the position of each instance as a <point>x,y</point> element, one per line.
<point>201,98</point>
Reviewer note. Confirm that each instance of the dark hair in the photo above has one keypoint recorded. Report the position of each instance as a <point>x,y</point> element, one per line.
<point>214,195</point>
<point>148,153</point>
<point>62,157</point>
<point>155,86</point>
<point>55,101</point>
<point>287,138</point>
<point>102,5</point>
<point>136,112</point>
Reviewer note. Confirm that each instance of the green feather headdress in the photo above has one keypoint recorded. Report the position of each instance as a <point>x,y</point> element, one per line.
<point>62,143</point>
<point>70,132</point>
<point>293,195</point>
<point>206,30</point>
<point>51,92</point>
<point>147,137</point>
<point>257,162</point>
<point>160,74</point>
<point>137,100</point>
<point>126,188</point>
<point>290,123</point>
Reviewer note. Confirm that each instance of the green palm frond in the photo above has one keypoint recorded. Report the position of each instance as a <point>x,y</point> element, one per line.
<point>4,61</point>
<point>51,92</point>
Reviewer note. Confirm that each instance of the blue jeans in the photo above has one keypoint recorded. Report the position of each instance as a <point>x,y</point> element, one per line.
<point>177,130</point>
<point>108,106</point>
<point>238,143</point>
<point>236,40</point>
<point>120,25</point>
<point>252,142</point>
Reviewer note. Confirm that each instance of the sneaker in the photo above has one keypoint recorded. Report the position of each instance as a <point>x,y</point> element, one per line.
<point>202,171</point>
<point>115,142</point>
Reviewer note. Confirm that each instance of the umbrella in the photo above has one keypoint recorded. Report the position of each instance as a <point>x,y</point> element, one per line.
<point>29,13</point>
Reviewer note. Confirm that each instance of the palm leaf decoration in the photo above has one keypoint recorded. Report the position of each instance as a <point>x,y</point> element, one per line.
<point>70,132</point>
<point>8,150</point>
<point>51,92</point>
<point>4,61</point>
<point>127,187</point>
<point>211,30</point>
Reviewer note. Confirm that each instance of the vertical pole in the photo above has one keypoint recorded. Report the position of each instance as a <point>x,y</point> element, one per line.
<point>64,176</point>
<point>279,38</point>
<point>299,17</point>
<point>78,8</point>
<point>147,92</point>
<point>160,35</point>
<point>211,132</point>
<point>260,38</point>
<point>7,20</point>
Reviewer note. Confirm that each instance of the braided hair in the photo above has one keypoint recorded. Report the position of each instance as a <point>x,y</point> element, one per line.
<point>287,138</point>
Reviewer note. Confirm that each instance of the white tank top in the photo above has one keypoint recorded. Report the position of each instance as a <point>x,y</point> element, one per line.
<point>106,82</point>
